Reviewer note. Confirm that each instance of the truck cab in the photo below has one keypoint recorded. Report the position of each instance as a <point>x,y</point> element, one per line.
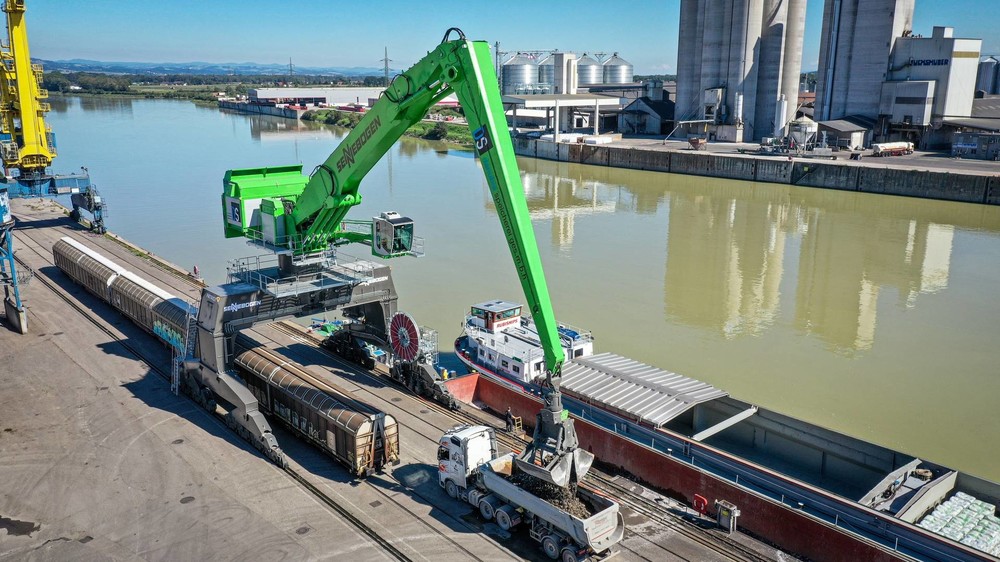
<point>461,451</point>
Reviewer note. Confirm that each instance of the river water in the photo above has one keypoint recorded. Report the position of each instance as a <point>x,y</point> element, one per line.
<point>872,315</point>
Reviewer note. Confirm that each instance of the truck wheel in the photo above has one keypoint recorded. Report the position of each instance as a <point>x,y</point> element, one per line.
<point>550,545</point>
<point>487,508</point>
<point>451,488</point>
<point>568,555</point>
<point>507,518</point>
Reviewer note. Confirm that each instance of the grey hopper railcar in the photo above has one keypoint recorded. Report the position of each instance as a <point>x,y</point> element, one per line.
<point>363,439</point>
<point>153,309</point>
<point>86,267</point>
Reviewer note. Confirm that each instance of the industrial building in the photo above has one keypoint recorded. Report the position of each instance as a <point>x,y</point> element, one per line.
<point>565,92</point>
<point>312,96</point>
<point>535,72</point>
<point>855,46</point>
<point>929,81</point>
<point>738,66</point>
<point>979,145</point>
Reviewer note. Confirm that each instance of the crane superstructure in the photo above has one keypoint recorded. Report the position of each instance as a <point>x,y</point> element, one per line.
<point>301,217</point>
<point>27,147</point>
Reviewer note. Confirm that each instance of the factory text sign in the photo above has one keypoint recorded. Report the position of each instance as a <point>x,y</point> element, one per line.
<point>928,62</point>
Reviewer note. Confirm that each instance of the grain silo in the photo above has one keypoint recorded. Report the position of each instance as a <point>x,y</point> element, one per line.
<point>986,79</point>
<point>617,70</point>
<point>547,72</point>
<point>520,74</point>
<point>589,72</point>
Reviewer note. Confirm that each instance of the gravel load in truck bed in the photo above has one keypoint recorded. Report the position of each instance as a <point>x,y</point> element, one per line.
<point>562,498</point>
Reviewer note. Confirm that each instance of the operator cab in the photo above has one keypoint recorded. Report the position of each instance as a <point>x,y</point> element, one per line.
<point>495,316</point>
<point>392,235</point>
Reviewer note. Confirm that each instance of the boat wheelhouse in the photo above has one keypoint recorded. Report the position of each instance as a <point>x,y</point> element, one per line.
<point>497,337</point>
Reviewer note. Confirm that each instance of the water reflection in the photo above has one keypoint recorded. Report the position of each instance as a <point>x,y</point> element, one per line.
<point>112,105</point>
<point>725,260</point>
<point>739,254</point>
<point>60,104</point>
<point>727,250</point>
<point>267,128</point>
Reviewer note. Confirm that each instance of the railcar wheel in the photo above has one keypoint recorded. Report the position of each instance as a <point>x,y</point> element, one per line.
<point>550,545</point>
<point>451,488</point>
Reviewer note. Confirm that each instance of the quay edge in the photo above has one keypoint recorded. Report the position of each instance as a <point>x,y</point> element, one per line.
<point>927,184</point>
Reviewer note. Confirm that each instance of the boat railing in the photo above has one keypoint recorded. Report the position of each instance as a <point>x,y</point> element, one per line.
<point>567,332</point>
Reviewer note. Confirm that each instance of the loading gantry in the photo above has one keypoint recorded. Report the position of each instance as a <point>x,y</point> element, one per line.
<point>27,147</point>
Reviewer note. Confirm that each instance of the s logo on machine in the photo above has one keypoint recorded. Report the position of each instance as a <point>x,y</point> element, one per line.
<point>481,137</point>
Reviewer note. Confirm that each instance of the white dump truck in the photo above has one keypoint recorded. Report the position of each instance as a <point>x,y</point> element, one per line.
<point>470,469</point>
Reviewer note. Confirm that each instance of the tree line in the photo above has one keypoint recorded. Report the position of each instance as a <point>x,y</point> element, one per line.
<point>98,83</point>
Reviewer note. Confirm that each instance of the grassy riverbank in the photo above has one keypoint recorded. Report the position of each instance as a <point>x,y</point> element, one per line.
<point>431,130</point>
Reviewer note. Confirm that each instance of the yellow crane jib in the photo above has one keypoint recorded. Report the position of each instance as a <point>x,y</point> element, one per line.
<point>27,148</point>
<point>26,143</point>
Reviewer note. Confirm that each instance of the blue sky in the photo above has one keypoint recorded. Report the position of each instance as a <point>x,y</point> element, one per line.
<point>335,33</point>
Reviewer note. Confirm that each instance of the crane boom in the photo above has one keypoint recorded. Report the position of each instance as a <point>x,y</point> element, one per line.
<point>304,216</point>
<point>27,148</point>
<point>20,81</point>
<point>317,207</point>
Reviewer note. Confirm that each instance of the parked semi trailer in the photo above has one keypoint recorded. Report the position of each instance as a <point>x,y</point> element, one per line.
<point>892,148</point>
<point>470,469</point>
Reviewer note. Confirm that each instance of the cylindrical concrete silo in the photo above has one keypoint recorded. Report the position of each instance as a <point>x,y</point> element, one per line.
<point>792,60</point>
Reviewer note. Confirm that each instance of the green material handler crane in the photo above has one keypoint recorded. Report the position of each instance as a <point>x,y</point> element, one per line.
<point>300,216</point>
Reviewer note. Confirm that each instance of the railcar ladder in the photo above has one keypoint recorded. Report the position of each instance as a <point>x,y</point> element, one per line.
<point>179,358</point>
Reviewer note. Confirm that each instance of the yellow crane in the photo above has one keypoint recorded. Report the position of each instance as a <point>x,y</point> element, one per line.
<point>27,147</point>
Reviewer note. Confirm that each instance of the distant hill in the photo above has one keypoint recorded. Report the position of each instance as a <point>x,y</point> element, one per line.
<point>153,68</point>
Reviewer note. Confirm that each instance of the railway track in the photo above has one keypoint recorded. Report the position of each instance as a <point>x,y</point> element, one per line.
<point>365,529</point>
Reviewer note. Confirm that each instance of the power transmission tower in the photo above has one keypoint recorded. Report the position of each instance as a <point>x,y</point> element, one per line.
<point>385,66</point>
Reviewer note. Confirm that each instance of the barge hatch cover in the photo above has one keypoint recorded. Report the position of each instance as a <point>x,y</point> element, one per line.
<point>633,389</point>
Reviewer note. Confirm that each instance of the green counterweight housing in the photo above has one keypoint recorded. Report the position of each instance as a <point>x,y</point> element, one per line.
<point>293,213</point>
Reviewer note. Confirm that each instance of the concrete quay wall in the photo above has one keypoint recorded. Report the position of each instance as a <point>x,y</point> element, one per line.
<point>947,186</point>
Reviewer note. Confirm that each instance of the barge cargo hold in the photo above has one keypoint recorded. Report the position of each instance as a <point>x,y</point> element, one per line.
<point>880,494</point>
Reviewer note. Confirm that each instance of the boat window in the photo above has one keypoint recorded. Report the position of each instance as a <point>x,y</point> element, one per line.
<point>516,369</point>
<point>510,313</point>
<point>578,353</point>
<point>481,351</point>
<point>442,454</point>
<point>478,312</point>
<point>504,363</point>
